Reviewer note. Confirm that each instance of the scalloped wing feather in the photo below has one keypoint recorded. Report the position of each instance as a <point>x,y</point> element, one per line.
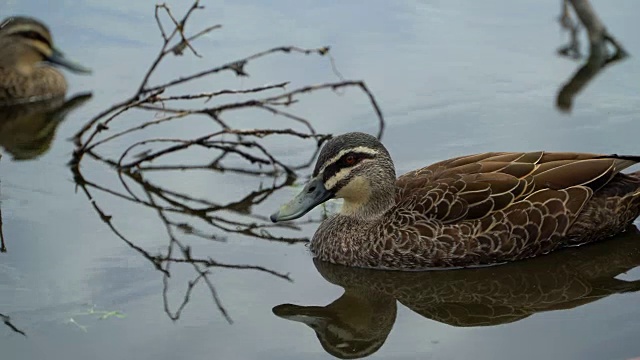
<point>511,205</point>
<point>483,183</point>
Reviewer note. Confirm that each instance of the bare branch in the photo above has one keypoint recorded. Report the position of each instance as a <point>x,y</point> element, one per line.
<point>244,152</point>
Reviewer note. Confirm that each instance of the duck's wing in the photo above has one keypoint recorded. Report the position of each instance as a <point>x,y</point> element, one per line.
<point>472,187</point>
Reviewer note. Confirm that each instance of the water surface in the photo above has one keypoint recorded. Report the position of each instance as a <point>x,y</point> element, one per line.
<point>452,77</point>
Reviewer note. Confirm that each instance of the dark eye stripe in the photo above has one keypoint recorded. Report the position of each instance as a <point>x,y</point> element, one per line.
<point>34,36</point>
<point>332,169</point>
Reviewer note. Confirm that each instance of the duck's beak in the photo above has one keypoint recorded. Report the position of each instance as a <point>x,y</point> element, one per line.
<point>310,315</point>
<point>58,58</point>
<point>312,195</point>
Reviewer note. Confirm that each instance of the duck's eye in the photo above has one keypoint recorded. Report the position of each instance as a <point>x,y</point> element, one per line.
<point>350,160</point>
<point>31,35</point>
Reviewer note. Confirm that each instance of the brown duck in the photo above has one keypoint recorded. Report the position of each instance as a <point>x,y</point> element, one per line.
<point>26,51</point>
<point>471,210</point>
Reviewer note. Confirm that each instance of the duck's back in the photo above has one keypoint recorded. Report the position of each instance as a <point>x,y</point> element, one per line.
<point>497,207</point>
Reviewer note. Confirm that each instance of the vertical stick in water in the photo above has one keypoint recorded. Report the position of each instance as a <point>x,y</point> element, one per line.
<point>3,248</point>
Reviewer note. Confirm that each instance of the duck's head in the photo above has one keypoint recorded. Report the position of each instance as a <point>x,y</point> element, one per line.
<point>25,42</point>
<point>355,167</point>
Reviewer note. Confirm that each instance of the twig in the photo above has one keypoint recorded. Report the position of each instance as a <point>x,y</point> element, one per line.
<point>209,96</point>
<point>212,263</point>
<point>237,67</point>
<point>7,321</point>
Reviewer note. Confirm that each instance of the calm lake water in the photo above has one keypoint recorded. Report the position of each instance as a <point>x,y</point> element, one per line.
<point>452,77</point>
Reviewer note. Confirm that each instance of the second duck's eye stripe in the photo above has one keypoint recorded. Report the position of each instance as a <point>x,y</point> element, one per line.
<point>26,31</point>
<point>35,36</point>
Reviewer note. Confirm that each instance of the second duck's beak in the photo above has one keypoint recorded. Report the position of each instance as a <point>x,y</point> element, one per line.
<point>312,195</point>
<point>57,57</point>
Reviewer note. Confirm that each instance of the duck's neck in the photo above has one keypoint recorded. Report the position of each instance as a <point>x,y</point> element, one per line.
<point>369,202</point>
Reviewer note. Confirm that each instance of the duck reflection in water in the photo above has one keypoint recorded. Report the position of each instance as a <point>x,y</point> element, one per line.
<point>358,323</point>
<point>27,130</point>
